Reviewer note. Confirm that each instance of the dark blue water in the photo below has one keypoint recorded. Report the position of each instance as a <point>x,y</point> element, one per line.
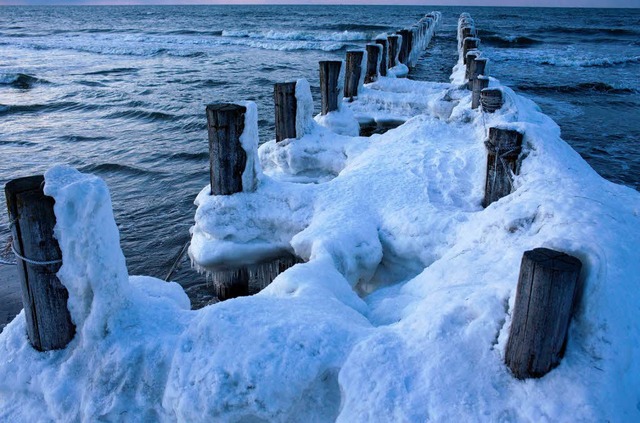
<point>121,91</point>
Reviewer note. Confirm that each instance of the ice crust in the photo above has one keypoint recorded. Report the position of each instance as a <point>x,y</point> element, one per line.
<point>396,215</point>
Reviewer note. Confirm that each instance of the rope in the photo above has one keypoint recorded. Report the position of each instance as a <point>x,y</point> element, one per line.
<point>34,262</point>
<point>177,261</point>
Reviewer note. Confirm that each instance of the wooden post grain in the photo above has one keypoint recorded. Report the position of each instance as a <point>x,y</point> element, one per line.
<point>384,63</point>
<point>284,98</point>
<point>394,50</point>
<point>374,52</point>
<point>329,90</point>
<point>545,299</point>
<point>491,99</point>
<point>227,158</point>
<point>504,147</point>
<point>44,298</point>
<point>479,83</point>
<point>352,73</point>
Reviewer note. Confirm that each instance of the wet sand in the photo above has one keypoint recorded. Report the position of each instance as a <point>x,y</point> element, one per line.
<point>10,301</point>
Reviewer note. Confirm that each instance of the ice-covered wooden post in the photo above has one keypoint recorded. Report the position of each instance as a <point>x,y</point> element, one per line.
<point>227,158</point>
<point>44,298</point>
<point>469,44</point>
<point>329,90</point>
<point>545,299</point>
<point>352,73</point>
<point>504,147</point>
<point>475,68</point>
<point>405,46</point>
<point>394,50</point>
<point>491,99</point>
<point>479,83</point>
<point>374,52</point>
<point>384,63</point>
<point>284,98</point>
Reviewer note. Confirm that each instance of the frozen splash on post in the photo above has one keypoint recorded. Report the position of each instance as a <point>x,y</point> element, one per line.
<point>249,141</point>
<point>304,108</point>
<point>94,269</point>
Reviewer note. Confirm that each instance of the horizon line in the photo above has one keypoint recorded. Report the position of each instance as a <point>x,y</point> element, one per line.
<point>106,3</point>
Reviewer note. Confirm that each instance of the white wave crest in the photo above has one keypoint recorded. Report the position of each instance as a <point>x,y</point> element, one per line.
<point>300,35</point>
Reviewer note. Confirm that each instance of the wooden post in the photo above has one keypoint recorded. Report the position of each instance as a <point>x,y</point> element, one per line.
<point>405,47</point>
<point>44,298</point>
<point>504,147</point>
<point>479,83</point>
<point>545,299</point>
<point>352,73</point>
<point>491,99</point>
<point>469,61</point>
<point>227,158</point>
<point>394,50</point>
<point>476,68</point>
<point>384,63</point>
<point>469,44</point>
<point>373,54</point>
<point>284,97</point>
<point>468,31</point>
<point>329,90</point>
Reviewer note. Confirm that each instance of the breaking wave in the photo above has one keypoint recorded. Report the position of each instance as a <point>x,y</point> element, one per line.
<point>20,80</point>
<point>510,41</point>
<point>300,35</point>
<point>598,62</point>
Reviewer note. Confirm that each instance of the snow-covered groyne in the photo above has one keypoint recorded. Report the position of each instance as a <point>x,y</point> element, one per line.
<point>395,217</point>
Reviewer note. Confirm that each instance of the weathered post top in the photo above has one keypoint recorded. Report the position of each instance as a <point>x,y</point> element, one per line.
<point>329,90</point>
<point>284,97</point>
<point>353,73</point>
<point>546,296</point>
<point>227,158</point>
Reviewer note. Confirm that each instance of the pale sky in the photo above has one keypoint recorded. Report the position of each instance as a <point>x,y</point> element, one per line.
<point>530,3</point>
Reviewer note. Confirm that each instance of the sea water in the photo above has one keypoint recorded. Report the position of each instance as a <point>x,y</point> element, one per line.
<point>121,91</point>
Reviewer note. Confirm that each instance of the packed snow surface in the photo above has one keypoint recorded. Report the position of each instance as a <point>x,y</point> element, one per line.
<point>402,309</point>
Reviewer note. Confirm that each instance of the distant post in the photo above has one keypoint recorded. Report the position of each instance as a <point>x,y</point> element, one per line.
<point>475,67</point>
<point>405,47</point>
<point>329,91</point>
<point>284,98</point>
<point>469,44</point>
<point>546,296</point>
<point>384,63</point>
<point>352,73</point>
<point>44,298</point>
<point>374,51</point>
<point>479,83</point>
<point>394,50</point>
<point>227,158</point>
